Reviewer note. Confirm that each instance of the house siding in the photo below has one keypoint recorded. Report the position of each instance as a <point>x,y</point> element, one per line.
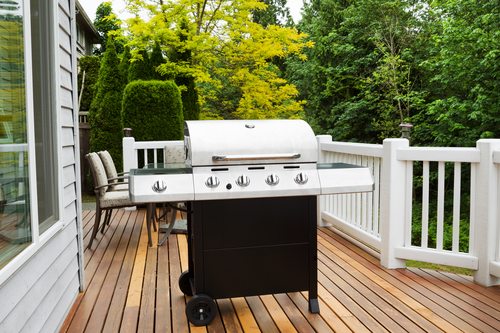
<point>38,296</point>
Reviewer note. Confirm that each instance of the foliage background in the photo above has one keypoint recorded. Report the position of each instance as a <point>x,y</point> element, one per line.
<point>377,63</point>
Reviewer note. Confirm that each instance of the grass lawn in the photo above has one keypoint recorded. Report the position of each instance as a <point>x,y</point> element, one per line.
<point>444,268</point>
<point>88,197</point>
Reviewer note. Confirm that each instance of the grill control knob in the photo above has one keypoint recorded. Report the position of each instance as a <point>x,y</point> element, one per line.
<point>159,186</point>
<point>212,182</point>
<point>272,179</point>
<point>243,181</point>
<point>301,178</point>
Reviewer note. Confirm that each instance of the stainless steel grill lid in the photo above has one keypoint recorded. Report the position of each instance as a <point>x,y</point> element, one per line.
<point>231,142</point>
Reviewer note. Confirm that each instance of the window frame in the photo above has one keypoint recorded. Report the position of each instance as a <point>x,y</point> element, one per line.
<point>39,240</point>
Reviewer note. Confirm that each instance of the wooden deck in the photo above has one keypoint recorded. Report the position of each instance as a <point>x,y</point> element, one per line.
<point>133,288</point>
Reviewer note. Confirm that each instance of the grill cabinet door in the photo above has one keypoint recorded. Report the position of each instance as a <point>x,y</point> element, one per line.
<point>254,246</point>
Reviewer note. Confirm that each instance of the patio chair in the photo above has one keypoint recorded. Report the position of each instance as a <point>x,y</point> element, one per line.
<point>106,198</point>
<point>117,180</point>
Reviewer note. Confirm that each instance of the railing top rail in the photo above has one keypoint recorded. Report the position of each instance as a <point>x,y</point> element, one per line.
<point>366,149</point>
<point>155,144</point>
<point>439,154</point>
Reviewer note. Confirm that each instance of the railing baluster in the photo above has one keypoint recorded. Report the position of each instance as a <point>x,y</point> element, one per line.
<point>425,205</point>
<point>472,218</point>
<point>456,206</point>
<point>369,201</point>
<point>409,202</point>
<point>440,207</point>
<point>376,197</point>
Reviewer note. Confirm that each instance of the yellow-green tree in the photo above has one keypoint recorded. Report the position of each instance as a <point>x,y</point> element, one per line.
<point>231,55</point>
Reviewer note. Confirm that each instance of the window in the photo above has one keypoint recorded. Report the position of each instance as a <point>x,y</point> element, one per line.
<point>15,224</point>
<point>42,45</point>
<point>17,231</point>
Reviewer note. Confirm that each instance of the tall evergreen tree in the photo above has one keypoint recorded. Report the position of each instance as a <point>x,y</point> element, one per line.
<point>140,67</point>
<point>105,22</point>
<point>87,78</point>
<point>156,60</point>
<point>105,110</point>
<point>125,64</point>
<point>189,93</point>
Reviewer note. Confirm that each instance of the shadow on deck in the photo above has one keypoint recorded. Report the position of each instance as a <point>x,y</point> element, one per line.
<point>133,288</point>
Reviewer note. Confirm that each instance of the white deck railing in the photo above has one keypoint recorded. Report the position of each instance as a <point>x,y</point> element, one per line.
<point>408,180</point>
<point>137,154</point>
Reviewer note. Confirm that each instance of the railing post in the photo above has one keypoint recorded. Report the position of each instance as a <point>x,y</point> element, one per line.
<point>129,155</point>
<point>321,204</point>
<point>485,231</point>
<point>392,203</point>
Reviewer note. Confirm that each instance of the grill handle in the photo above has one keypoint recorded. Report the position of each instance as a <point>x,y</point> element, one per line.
<point>255,157</point>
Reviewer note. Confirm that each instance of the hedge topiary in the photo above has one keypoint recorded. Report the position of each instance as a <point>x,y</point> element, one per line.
<point>105,110</point>
<point>153,109</point>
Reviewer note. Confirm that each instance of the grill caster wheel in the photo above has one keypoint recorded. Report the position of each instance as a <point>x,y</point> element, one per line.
<point>185,283</point>
<point>201,310</point>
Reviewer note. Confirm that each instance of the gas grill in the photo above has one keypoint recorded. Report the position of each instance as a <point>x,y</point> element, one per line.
<point>251,189</point>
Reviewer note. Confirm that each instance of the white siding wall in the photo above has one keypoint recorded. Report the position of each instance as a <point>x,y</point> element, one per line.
<point>39,295</point>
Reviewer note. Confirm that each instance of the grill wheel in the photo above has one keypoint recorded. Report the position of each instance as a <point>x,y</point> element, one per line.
<point>201,310</point>
<point>185,283</point>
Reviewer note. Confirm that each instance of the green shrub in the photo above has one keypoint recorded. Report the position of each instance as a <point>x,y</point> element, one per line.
<point>153,109</point>
<point>105,110</point>
<point>90,66</point>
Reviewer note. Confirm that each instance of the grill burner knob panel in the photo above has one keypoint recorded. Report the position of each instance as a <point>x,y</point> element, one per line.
<point>212,182</point>
<point>272,179</point>
<point>159,186</point>
<point>243,181</point>
<point>301,178</point>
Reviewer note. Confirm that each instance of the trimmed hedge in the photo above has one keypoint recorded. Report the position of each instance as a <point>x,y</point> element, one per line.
<point>153,109</point>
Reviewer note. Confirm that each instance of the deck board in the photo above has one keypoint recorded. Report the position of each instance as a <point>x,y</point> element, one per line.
<point>133,288</point>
